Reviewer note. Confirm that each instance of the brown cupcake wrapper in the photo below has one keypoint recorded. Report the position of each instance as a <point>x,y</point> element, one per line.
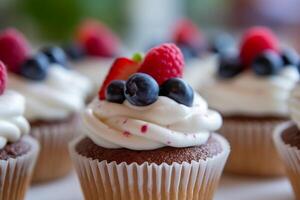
<point>253,150</point>
<point>16,173</point>
<point>195,180</point>
<point>290,156</point>
<point>54,159</point>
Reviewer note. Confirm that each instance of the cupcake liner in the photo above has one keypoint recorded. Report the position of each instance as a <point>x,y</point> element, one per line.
<point>195,180</point>
<point>16,173</point>
<point>290,157</point>
<point>54,159</point>
<point>253,150</point>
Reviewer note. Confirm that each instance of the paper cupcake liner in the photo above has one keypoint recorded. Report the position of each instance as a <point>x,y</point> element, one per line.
<point>54,159</point>
<point>290,157</point>
<point>195,180</point>
<point>16,173</point>
<point>252,147</point>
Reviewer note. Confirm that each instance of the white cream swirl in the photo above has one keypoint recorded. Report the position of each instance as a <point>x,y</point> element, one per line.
<point>62,93</point>
<point>294,104</point>
<point>163,123</point>
<point>249,94</point>
<point>12,122</point>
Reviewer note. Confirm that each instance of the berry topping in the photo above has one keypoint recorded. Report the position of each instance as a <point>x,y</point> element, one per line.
<point>178,90</point>
<point>267,63</point>
<point>97,39</point>
<point>121,69</point>
<point>74,51</point>
<point>13,49</point>
<point>255,41</point>
<point>230,66</point>
<point>290,57</point>
<point>115,91</point>
<point>163,62</point>
<point>55,55</point>
<point>3,77</point>
<point>141,90</point>
<point>35,68</point>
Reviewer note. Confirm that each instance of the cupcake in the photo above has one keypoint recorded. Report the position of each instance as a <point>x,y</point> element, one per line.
<point>18,151</point>
<point>54,95</point>
<point>145,141</point>
<point>250,91</point>
<point>92,52</point>
<point>287,141</point>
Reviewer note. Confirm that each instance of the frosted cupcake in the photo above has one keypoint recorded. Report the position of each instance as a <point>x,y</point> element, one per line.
<point>18,152</point>
<point>251,93</point>
<point>149,142</point>
<point>54,95</point>
<point>287,141</point>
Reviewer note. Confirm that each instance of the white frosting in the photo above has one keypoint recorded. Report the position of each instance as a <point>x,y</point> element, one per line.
<point>62,93</point>
<point>163,123</point>
<point>12,122</point>
<point>294,104</point>
<point>249,94</point>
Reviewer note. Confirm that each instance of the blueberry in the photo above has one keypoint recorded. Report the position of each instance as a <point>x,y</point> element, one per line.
<point>188,52</point>
<point>74,51</point>
<point>178,90</point>
<point>267,63</point>
<point>35,68</point>
<point>230,66</point>
<point>290,57</point>
<point>141,89</point>
<point>115,91</point>
<point>55,55</point>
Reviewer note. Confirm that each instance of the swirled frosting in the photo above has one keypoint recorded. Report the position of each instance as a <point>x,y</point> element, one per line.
<point>249,94</point>
<point>12,122</point>
<point>61,94</point>
<point>294,104</point>
<point>163,123</point>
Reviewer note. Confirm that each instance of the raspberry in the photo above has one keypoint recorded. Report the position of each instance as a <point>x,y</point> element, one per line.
<point>163,62</point>
<point>3,77</point>
<point>254,42</point>
<point>14,49</point>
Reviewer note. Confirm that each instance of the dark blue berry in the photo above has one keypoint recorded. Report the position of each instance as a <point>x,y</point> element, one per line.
<point>229,66</point>
<point>74,51</point>
<point>35,68</point>
<point>267,63</point>
<point>290,57</point>
<point>55,55</point>
<point>178,90</point>
<point>188,52</point>
<point>141,89</point>
<point>115,91</point>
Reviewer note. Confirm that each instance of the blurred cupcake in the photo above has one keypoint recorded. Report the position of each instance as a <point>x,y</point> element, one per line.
<point>145,141</point>
<point>93,50</point>
<point>250,91</point>
<point>287,141</point>
<point>54,95</point>
<point>18,152</point>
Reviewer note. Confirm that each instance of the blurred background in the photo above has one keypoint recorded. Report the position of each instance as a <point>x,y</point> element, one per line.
<point>139,21</point>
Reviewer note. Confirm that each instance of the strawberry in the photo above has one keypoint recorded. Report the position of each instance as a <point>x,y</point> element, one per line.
<point>254,42</point>
<point>121,69</point>
<point>97,39</point>
<point>163,62</point>
<point>14,49</point>
<point>3,77</point>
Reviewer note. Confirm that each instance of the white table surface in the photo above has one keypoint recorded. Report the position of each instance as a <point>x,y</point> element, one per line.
<point>231,188</point>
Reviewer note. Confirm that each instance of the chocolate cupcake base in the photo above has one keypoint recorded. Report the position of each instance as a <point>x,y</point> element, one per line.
<point>287,140</point>
<point>253,151</point>
<point>141,175</point>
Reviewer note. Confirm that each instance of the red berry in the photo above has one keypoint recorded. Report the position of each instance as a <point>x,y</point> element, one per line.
<point>97,39</point>
<point>255,41</point>
<point>163,62</point>
<point>187,33</point>
<point>14,49</point>
<point>3,77</point>
<point>121,69</point>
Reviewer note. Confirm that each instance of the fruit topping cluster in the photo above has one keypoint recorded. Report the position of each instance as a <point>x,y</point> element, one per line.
<point>142,81</point>
<point>259,52</point>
